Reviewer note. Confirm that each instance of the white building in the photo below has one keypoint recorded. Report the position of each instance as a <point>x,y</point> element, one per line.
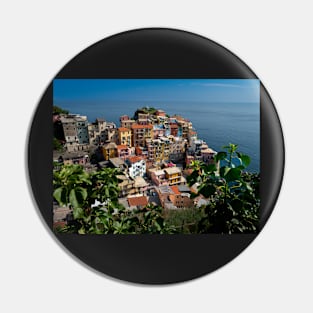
<point>82,129</point>
<point>136,166</point>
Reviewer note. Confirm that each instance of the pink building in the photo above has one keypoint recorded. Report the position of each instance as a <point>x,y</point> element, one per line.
<point>124,118</point>
<point>123,151</point>
<point>160,113</point>
<point>208,155</point>
<point>158,178</point>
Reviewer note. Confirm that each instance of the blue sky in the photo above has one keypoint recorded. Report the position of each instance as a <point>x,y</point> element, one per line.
<point>69,92</point>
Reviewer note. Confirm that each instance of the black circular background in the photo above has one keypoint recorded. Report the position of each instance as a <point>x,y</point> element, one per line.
<point>155,53</point>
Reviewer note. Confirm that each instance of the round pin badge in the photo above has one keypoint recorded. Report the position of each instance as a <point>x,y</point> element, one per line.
<point>155,156</point>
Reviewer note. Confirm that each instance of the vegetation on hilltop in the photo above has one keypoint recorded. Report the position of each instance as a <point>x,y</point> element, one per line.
<point>56,144</point>
<point>58,110</point>
<point>144,110</point>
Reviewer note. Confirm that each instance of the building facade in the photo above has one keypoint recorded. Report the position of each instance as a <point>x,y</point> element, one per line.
<point>180,199</point>
<point>173,175</point>
<point>177,148</point>
<point>141,133</point>
<point>123,151</point>
<point>158,149</point>
<point>109,150</point>
<point>127,123</point>
<point>158,178</point>
<point>82,129</point>
<point>96,132</point>
<point>136,166</point>
<point>125,136</point>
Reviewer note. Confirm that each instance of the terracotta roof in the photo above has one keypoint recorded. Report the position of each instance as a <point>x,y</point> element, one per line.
<point>134,159</point>
<point>137,201</point>
<point>119,147</point>
<point>175,190</point>
<point>138,151</point>
<point>137,126</point>
<point>123,129</point>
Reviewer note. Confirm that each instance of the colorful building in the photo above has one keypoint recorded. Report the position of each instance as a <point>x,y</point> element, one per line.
<point>141,133</point>
<point>96,132</point>
<point>158,177</point>
<point>158,149</point>
<point>173,175</point>
<point>208,155</point>
<point>125,136</point>
<point>109,150</point>
<point>177,148</point>
<point>127,123</point>
<point>180,199</point>
<point>123,151</point>
<point>136,166</point>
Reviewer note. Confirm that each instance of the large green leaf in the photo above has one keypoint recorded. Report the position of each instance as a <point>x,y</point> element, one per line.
<point>193,177</point>
<point>233,174</point>
<point>207,190</point>
<point>60,195</point>
<point>245,160</point>
<point>224,171</point>
<point>210,168</point>
<point>220,156</point>
<point>77,196</point>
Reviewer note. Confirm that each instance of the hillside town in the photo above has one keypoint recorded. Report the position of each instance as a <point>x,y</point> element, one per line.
<point>151,149</point>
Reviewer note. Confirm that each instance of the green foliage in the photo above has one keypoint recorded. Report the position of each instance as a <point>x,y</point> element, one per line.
<point>233,193</point>
<point>57,145</point>
<point>80,191</point>
<point>185,220</point>
<point>145,110</point>
<point>58,110</point>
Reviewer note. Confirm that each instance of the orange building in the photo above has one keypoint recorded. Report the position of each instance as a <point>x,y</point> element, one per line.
<point>141,133</point>
<point>180,199</point>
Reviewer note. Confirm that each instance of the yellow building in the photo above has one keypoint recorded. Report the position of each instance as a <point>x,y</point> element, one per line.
<point>173,175</point>
<point>158,149</point>
<point>109,151</point>
<point>125,136</point>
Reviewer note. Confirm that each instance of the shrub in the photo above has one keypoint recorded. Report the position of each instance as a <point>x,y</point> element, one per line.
<point>233,193</point>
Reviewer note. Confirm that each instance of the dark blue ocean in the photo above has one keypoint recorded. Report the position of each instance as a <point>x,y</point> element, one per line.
<point>216,123</point>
